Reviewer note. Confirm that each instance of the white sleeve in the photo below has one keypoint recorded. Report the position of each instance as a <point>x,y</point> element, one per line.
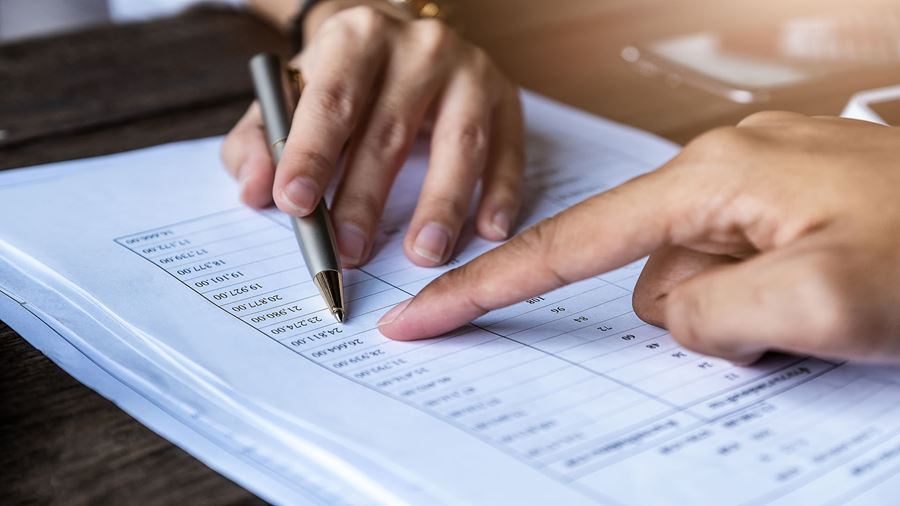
<point>138,10</point>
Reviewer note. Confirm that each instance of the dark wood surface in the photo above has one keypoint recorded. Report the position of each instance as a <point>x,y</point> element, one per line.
<point>121,88</point>
<point>85,94</point>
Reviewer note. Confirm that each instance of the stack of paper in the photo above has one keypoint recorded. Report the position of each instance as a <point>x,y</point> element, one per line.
<point>142,276</point>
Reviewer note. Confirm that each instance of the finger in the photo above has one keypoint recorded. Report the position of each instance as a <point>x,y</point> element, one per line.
<point>502,190</point>
<point>798,300</point>
<point>409,87</point>
<point>340,72</point>
<point>245,154</point>
<point>667,268</point>
<point>459,149</point>
<point>597,235</point>
<point>769,118</point>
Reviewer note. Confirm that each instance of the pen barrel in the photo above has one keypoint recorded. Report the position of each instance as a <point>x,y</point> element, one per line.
<point>315,236</point>
<point>270,84</point>
<point>315,233</point>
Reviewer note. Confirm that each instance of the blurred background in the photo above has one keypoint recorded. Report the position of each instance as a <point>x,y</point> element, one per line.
<point>21,19</point>
<point>674,67</point>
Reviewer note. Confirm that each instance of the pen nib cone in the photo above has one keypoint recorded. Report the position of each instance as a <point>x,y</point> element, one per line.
<point>331,286</point>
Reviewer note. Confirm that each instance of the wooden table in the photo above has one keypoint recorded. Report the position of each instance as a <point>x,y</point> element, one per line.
<point>62,443</point>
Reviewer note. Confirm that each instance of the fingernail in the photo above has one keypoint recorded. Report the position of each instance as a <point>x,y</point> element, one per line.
<point>432,242</point>
<point>302,194</point>
<point>351,242</point>
<point>392,315</point>
<point>502,223</point>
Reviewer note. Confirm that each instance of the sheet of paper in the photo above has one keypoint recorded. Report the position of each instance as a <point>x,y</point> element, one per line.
<point>152,270</point>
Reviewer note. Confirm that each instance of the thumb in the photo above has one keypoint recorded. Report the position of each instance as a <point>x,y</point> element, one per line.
<point>781,300</point>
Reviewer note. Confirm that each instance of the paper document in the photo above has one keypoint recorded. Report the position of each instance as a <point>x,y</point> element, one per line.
<point>194,307</point>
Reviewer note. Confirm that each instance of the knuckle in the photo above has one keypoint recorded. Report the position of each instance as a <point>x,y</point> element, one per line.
<point>368,20</point>
<point>481,62</point>
<point>471,137</point>
<point>723,143</point>
<point>337,23</point>
<point>433,37</point>
<point>539,244</point>
<point>337,103</point>
<point>467,275</point>
<point>359,207</point>
<point>362,22</point>
<point>312,163</point>
<point>762,118</point>
<point>539,239</point>
<point>392,136</point>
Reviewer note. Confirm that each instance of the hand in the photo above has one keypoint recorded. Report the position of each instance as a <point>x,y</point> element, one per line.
<point>780,234</point>
<point>372,81</point>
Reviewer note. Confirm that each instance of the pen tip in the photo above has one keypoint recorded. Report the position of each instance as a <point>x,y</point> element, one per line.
<point>331,285</point>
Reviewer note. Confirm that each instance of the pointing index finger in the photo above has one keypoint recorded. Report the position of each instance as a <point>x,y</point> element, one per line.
<point>598,235</point>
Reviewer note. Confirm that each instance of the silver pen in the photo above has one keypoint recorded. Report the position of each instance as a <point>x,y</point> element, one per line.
<point>314,232</point>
